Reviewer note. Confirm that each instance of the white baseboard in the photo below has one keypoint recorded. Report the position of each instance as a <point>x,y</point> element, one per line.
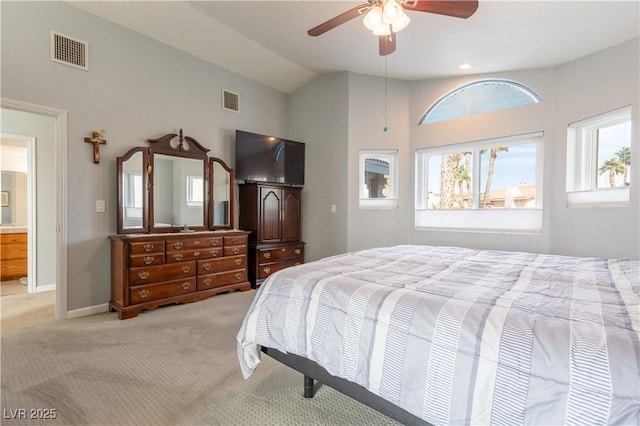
<point>43,288</point>
<point>89,310</point>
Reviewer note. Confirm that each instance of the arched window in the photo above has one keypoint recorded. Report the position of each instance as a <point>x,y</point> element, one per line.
<point>477,97</point>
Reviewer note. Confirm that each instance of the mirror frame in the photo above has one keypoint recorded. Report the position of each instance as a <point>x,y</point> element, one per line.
<point>176,145</point>
<point>229,225</point>
<point>145,197</point>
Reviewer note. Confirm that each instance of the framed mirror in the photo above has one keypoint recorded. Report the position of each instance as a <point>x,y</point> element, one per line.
<point>173,186</point>
<point>178,194</point>
<point>221,183</point>
<point>132,192</point>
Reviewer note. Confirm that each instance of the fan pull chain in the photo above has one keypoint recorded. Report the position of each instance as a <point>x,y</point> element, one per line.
<point>385,128</point>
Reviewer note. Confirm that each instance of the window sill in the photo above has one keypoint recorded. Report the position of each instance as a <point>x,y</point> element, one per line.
<point>601,198</point>
<point>382,203</point>
<point>503,221</point>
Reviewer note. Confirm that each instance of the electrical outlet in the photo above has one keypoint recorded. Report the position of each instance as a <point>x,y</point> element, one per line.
<point>100,206</point>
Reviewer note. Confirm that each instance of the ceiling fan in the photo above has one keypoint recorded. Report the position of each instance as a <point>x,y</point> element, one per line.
<point>386,17</point>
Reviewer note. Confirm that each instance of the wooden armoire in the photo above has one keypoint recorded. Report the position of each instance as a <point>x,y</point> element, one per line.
<point>273,214</point>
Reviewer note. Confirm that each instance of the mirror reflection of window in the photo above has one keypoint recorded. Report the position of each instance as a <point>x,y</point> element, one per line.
<point>195,191</point>
<point>133,195</point>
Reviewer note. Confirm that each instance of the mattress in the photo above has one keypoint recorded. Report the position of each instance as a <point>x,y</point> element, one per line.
<point>463,336</point>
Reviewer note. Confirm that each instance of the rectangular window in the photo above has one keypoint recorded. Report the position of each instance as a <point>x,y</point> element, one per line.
<point>598,160</point>
<point>133,199</point>
<point>378,180</point>
<point>489,185</point>
<point>195,191</point>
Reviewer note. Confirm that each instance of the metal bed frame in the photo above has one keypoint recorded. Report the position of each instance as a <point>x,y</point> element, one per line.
<point>314,372</point>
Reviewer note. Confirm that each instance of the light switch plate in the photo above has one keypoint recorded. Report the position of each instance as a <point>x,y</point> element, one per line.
<point>100,206</point>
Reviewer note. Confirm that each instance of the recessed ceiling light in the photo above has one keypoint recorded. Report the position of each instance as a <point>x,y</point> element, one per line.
<point>464,66</point>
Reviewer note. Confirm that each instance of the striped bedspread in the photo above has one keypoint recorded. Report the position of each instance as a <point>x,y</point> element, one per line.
<point>462,336</point>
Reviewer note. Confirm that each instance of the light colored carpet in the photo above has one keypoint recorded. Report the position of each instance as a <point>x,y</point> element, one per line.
<point>176,365</point>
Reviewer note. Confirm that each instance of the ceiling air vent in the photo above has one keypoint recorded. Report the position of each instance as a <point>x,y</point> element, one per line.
<point>69,51</point>
<point>230,101</point>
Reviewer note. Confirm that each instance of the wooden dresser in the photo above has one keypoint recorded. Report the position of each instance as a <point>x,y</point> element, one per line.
<point>13,256</point>
<point>151,270</point>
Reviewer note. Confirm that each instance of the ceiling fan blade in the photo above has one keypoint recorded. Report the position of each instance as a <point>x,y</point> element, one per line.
<point>387,44</point>
<point>338,20</point>
<point>455,8</point>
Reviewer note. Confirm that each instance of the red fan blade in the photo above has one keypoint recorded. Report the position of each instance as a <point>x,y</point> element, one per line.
<point>387,44</point>
<point>455,8</point>
<point>338,20</point>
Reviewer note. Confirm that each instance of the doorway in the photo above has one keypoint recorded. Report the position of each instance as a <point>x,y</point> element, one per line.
<point>47,128</point>
<point>18,225</point>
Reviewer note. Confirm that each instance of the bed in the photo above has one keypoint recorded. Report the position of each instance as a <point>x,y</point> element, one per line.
<point>449,335</point>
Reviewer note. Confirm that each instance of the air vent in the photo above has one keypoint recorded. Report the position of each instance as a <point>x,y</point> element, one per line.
<point>230,101</point>
<point>69,51</point>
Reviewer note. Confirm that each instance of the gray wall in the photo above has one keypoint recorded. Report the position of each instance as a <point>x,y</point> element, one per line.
<point>586,87</point>
<point>136,89</point>
<point>319,116</point>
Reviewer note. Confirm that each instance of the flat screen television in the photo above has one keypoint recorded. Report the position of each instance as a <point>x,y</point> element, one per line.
<point>263,158</point>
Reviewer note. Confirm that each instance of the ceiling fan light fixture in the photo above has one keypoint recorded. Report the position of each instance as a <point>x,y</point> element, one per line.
<point>373,18</point>
<point>384,17</point>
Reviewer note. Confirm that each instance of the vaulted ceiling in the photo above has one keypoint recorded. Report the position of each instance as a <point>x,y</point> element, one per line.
<point>267,41</point>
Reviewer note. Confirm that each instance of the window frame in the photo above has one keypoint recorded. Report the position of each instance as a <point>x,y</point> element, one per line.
<point>582,162</point>
<point>499,220</point>
<point>191,202</point>
<point>390,202</point>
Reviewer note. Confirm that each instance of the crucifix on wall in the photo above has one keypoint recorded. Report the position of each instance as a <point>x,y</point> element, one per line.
<point>96,140</point>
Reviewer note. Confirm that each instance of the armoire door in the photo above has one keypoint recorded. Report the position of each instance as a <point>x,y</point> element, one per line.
<point>270,214</point>
<point>291,215</point>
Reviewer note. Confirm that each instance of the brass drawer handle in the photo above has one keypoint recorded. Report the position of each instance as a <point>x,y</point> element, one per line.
<point>235,250</point>
<point>148,247</point>
<point>214,253</point>
<point>186,269</point>
<point>296,264</point>
<point>177,245</point>
<point>143,275</point>
<point>238,275</point>
<point>236,241</point>
<point>143,293</point>
<point>196,253</point>
<point>148,260</point>
<point>206,266</point>
<point>283,250</point>
<point>177,256</point>
<point>206,281</point>
<point>266,269</point>
<point>238,262</point>
<point>267,255</point>
<point>196,243</point>
<point>186,285</point>
<point>297,251</point>
<point>213,243</point>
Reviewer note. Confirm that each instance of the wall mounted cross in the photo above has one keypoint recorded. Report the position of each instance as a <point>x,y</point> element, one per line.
<point>96,140</point>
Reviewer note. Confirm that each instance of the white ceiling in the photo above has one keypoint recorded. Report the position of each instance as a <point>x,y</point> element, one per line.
<point>267,40</point>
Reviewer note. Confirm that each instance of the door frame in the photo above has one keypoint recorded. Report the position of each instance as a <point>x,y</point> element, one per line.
<point>60,138</point>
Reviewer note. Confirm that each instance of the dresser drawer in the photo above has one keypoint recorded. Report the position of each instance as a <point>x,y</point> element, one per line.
<point>146,247</point>
<point>193,244</point>
<point>180,256</point>
<point>159,273</point>
<point>274,254</point>
<point>265,270</point>
<point>235,240</point>
<point>146,259</point>
<point>223,264</point>
<point>234,250</point>
<point>222,279</point>
<point>150,292</point>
